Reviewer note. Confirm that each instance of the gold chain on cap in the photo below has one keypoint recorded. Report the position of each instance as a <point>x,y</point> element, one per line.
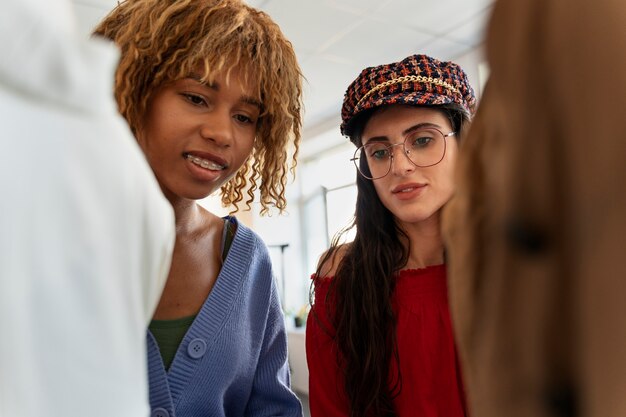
<point>419,78</point>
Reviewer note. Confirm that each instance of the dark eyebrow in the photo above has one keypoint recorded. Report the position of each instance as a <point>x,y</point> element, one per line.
<point>405,132</point>
<point>420,126</point>
<point>215,86</point>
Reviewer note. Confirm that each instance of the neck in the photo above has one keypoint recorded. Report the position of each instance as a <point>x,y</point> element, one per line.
<point>189,215</point>
<point>426,243</point>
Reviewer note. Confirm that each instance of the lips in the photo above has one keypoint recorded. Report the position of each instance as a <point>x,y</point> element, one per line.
<point>407,188</point>
<point>206,161</point>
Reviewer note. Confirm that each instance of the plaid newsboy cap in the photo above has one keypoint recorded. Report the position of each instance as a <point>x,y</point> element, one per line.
<point>418,80</point>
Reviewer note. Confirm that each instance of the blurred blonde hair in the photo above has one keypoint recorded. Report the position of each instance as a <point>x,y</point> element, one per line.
<point>165,40</point>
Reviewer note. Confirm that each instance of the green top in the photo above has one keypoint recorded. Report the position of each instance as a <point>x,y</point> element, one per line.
<point>227,237</point>
<point>169,333</point>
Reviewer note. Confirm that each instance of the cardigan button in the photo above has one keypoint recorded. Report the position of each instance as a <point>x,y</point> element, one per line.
<point>160,412</point>
<point>196,348</point>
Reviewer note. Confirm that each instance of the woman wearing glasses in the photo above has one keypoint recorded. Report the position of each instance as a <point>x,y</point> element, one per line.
<point>379,339</point>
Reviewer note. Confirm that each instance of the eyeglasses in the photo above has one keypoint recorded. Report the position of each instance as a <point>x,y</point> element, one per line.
<point>424,147</point>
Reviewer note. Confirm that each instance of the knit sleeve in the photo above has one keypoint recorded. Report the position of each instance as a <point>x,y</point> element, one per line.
<point>271,394</point>
<point>326,388</point>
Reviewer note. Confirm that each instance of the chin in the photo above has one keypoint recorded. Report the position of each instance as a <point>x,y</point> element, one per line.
<point>412,219</point>
<point>196,193</point>
<point>418,215</point>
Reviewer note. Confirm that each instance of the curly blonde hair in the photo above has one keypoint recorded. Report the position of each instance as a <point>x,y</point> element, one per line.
<point>166,40</point>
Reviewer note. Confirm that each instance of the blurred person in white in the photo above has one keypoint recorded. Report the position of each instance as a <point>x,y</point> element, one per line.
<point>85,232</point>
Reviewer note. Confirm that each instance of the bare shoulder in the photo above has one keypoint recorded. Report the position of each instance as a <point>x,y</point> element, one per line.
<point>331,259</point>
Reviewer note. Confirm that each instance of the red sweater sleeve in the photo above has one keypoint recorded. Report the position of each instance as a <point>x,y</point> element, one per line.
<point>326,387</point>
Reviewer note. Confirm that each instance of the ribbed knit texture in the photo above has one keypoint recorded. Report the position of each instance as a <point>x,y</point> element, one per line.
<point>244,371</point>
<point>431,379</point>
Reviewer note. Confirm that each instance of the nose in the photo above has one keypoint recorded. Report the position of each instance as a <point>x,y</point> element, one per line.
<point>216,127</point>
<point>400,162</point>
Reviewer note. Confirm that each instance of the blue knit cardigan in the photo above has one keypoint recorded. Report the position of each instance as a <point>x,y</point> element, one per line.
<point>233,360</point>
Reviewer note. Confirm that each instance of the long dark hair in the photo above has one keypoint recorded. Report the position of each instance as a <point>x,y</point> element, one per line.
<point>361,291</point>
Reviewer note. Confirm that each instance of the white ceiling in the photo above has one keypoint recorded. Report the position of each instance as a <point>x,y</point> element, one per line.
<point>336,39</point>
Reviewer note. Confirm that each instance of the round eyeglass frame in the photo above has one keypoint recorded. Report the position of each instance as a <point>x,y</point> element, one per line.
<point>355,158</point>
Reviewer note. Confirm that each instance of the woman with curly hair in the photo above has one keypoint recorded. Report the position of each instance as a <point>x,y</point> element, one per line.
<point>212,92</point>
<point>379,339</point>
